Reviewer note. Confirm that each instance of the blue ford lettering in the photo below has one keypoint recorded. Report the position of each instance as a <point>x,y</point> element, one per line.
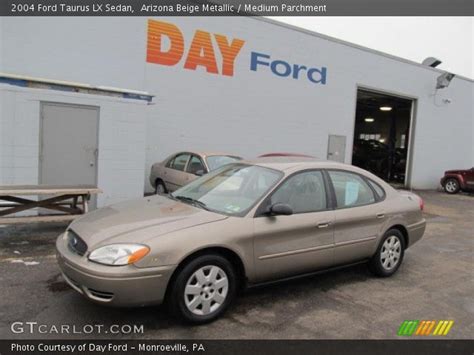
<point>284,69</point>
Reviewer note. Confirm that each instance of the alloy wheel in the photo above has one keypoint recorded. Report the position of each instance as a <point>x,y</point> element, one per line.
<point>390,253</point>
<point>451,186</point>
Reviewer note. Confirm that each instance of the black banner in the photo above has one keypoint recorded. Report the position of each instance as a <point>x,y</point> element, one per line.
<point>237,347</point>
<point>236,8</point>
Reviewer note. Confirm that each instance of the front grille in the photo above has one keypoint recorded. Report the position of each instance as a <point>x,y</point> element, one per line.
<point>75,243</point>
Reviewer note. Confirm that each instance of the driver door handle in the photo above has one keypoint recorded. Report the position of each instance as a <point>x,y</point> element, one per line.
<point>380,215</point>
<point>323,224</point>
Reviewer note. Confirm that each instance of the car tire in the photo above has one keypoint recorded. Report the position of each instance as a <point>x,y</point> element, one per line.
<point>451,186</point>
<point>389,255</point>
<point>160,188</point>
<point>206,282</point>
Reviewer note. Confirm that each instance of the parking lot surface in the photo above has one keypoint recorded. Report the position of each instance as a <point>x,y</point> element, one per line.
<point>435,282</point>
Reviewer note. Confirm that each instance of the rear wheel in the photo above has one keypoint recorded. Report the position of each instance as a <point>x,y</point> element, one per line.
<point>451,186</point>
<point>160,188</point>
<point>203,289</point>
<point>389,255</point>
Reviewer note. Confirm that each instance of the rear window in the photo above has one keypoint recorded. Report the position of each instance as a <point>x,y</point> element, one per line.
<point>216,161</point>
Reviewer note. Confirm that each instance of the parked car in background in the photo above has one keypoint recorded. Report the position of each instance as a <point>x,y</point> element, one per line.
<point>244,224</point>
<point>371,155</point>
<point>454,181</point>
<point>275,155</point>
<point>181,168</point>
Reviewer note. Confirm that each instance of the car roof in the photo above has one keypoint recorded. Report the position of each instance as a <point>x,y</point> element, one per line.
<point>290,163</point>
<point>205,153</point>
<point>285,154</point>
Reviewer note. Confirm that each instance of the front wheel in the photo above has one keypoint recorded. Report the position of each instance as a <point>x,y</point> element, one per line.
<point>203,289</point>
<point>451,186</point>
<point>389,255</point>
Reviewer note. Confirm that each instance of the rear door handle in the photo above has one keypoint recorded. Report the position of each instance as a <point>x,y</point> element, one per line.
<point>323,224</point>
<point>380,215</point>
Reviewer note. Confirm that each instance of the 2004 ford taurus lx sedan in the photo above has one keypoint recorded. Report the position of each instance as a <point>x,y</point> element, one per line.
<point>243,224</point>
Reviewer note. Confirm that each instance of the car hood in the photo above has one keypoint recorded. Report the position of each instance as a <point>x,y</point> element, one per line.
<point>151,216</point>
<point>455,171</point>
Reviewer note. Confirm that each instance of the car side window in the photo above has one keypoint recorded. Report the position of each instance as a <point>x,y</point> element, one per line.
<point>180,161</point>
<point>170,163</point>
<point>304,192</point>
<point>378,189</point>
<point>351,189</point>
<point>195,165</point>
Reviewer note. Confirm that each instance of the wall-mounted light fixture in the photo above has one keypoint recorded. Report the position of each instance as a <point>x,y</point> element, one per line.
<point>432,62</point>
<point>444,80</point>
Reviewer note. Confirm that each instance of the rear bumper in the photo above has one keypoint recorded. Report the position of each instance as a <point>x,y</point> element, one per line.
<point>122,286</point>
<point>415,232</point>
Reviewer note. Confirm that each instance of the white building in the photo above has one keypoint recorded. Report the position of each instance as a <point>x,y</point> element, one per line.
<point>243,85</point>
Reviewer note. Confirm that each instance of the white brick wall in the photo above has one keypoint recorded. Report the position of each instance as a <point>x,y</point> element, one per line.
<point>252,112</point>
<point>122,136</point>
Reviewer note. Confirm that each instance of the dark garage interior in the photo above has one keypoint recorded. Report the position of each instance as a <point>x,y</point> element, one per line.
<point>381,135</point>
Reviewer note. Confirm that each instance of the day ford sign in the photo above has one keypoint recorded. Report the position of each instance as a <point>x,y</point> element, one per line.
<point>201,52</point>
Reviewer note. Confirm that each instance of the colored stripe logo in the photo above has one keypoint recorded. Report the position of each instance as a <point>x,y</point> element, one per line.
<point>425,327</point>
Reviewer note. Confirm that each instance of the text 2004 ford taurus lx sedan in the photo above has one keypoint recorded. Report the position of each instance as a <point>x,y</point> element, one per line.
<point>243,224</point>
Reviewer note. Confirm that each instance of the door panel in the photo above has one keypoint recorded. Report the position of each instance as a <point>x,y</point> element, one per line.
<point>289,245</point>
<point>68,153</point>
<point>169,176</point>
<point>358,217</point>
<point>195,165</point>
<point>175,174</point>
<point>301,242</point>
<point>470,179</point>
<point>355,233</point>
<point>336,148</point>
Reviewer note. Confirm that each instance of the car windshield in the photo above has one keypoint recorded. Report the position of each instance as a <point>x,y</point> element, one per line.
<point>232,189</point>
<point>216,161</point>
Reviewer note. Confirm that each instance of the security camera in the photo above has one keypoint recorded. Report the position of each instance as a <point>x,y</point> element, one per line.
<point>443,80</point>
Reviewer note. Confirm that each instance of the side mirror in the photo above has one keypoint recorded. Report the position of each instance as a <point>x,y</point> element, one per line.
<point>199,172</point>
<point>280,209</point>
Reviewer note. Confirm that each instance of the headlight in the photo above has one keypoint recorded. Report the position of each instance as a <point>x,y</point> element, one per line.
<point>119,254</point>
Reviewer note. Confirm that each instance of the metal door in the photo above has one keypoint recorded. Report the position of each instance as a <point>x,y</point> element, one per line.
<point>68,145</point>
<point>336,148</point>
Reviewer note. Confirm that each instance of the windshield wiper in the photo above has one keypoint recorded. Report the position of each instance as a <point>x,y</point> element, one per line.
<point>191,200</point>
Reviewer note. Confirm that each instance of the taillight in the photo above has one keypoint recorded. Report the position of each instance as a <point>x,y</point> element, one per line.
<point>422,203</point>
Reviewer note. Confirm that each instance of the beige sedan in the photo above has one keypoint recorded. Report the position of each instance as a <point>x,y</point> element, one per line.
<point>181,168</point>
<point>244,224</point>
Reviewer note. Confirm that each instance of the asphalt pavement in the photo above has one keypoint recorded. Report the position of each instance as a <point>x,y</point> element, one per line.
<point>435,282</point>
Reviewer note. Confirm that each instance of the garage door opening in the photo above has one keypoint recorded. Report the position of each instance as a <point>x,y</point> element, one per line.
<point>381,135</point>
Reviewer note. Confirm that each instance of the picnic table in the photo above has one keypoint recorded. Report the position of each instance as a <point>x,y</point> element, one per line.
<point>68,202</point>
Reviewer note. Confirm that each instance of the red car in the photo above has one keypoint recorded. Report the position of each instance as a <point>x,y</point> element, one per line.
<point>454,181</point>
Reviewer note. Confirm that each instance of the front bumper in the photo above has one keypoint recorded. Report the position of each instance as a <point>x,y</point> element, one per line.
<point>123,286</point>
